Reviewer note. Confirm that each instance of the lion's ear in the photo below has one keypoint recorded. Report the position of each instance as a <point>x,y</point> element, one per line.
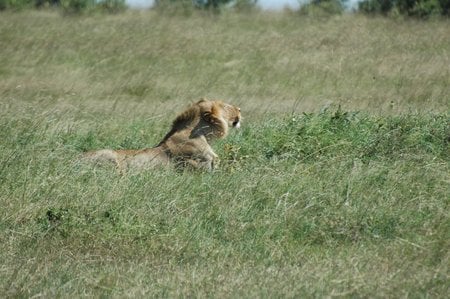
<point>202,100</point>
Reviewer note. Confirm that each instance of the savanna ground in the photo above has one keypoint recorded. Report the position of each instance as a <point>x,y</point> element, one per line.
<point>337,184</point>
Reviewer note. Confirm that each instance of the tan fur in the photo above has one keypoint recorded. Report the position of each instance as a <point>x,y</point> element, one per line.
<point>185,145</point>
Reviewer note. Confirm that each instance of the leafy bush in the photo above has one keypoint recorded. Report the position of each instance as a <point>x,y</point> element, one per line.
<point>426,8</point>
<point>15,4</point>
<point>445,7</point>
<point>416,8</point>
<point>214,4</point>
<point>318,8</point>
<point>376,6</point>
<point>67,6</point>
<point>46,3</point>
<point>173,7</point>
<point>187,7</point>
<point>112,6</point>
<point>76,6</point>
<point>244,5</point>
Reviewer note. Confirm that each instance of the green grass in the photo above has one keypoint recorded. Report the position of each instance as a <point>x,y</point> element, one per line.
<point>337,184</point>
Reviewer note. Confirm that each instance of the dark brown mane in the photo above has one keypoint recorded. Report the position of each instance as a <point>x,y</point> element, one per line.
<point>182,121</point>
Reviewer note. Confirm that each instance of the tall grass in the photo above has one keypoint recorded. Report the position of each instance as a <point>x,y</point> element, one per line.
<point>311,198</point>
<point>299,63</point>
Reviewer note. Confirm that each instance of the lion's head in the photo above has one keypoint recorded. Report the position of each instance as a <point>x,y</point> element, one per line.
<point>210,118</point>
<point>217,117</point>
<point>233,115</point>
<point>218,111</point>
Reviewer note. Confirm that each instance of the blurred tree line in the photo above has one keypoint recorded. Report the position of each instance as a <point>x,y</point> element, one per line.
<point>414,8</point>
<point>67,6</point>
<point>417,8</point>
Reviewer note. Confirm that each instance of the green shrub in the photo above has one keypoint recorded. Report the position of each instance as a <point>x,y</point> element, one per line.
<point>375,6</point>
<point>76,6</point>
<point>15,4</point>
<point>420,8</point>
<point>416,8</point>
<point>445,7</point>
<point>171,7</point>
<point>320,8</point>
<point>46,3</point>
<point>244,5</point>
<point>426,8</point>
<point>186,7</point>
<point>112,6</point>
<point>67,6</point>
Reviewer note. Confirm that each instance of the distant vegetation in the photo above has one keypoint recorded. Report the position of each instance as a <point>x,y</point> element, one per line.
<point>411,8</point>
<point>67,6</point>
<point>415,8</point>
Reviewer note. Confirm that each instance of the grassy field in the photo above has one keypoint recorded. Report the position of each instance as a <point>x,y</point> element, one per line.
<point>337,185</point>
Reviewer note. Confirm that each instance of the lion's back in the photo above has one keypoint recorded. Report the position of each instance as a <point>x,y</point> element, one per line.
<point>129,159</point>
<point>147,159</point>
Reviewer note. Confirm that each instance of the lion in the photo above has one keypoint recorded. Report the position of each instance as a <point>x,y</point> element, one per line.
<point>186,145</point>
